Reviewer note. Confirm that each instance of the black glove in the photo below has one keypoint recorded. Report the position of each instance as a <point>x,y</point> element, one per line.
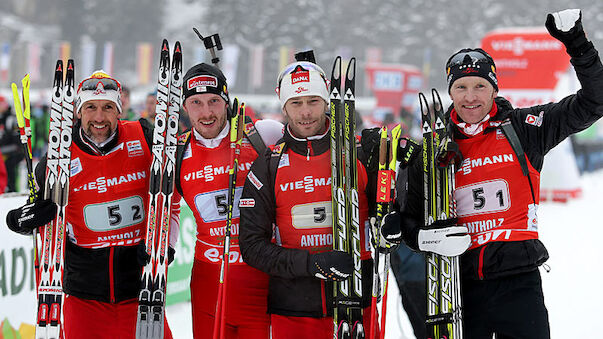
<point>25,219</point>
<point>369,142</point>
<point>143,257</point>
<point>566,26</point>
<point>332,265</point>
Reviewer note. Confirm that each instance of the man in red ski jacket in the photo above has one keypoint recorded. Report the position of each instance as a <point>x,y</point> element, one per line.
<point>202,179</point>
<point>106,214</point>
<point>286,224</point>
<point>497,186</point>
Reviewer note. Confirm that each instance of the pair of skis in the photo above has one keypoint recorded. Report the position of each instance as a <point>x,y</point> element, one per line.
<point>386,182</point>
<point>151,299</point>
<point>444,316</point>
<point>49,272</point>
<point>347,317</point>
<point>237,125</point>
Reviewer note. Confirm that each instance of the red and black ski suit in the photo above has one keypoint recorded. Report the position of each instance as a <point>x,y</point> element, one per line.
<point>285,217</point>
<point>106,219</point>
<point>501,285</point>
<point>203,181</point>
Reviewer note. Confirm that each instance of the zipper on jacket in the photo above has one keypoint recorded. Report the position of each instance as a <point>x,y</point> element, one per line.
<point>480,267</point>
<point>309,150</point>
<point>111,283</point>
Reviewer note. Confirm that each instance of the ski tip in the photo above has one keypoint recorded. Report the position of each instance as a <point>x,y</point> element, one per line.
<point>59,66</point>
<point>336,72</point>
<point>351,71</point>
<point>165,47</point>
<point>25,81</point>
<point>178,48</point>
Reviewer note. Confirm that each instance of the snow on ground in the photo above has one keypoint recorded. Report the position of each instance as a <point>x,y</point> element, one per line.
<point>571,232</point>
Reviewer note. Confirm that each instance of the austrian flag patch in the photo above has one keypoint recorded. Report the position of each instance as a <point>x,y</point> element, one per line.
<point>248,202</point>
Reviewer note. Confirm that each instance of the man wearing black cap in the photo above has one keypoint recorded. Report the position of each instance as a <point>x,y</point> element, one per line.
<point>202,179</point>
<point>497,185</point>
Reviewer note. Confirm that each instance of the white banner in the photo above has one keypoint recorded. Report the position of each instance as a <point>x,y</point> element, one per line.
<point>256,66</point>
<point>230,64</point>
<point>17,291</point>
<point>88,62</point>
<point>108,58</point>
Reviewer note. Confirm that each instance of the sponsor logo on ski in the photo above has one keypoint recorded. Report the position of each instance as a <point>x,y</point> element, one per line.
<point>535,120</point>
<point>200,82</point>
<point>469,163</point>
<point>308,184</point>
<point>249,202</point>
<point>101,184</point>
<point>254,180</point>
<point>134,148</point>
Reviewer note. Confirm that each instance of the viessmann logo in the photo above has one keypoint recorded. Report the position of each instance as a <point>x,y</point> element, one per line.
<point>520,45</point>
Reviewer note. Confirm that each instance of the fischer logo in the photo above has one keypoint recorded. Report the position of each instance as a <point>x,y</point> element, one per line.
<point>301,76</point>
<point>101,183</point>
<point>209,172</point>
<point>308,184</point>
<point>520,45</point>
<point>469,164</point>
<point>202,81</point>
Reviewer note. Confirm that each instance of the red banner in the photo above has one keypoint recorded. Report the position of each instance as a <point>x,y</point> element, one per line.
<point>394,85</point>
<point>529,63</point>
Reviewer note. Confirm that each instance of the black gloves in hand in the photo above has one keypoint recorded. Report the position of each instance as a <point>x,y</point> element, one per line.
<point>390,234</point>
<point>332,265</point>
<point>143,257</point>
<point>25,219</point>
<point>370,146</point>
<point>566,26</point>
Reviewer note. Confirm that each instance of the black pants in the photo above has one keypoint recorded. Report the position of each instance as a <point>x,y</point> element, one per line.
<point>510,307</point>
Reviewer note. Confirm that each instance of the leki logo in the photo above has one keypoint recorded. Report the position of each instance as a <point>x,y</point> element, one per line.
<point>301,76</point>
<point>300,90</point>
<point>202,81</point>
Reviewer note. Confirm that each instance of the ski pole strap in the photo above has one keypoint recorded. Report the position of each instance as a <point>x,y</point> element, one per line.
<point>254,136</point>
<point>408,149</point>
<point>513,139</point>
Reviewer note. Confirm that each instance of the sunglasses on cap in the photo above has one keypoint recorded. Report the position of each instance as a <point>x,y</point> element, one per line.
<point>469,57</point>
<point>301,65</point>
<point>91,83</point>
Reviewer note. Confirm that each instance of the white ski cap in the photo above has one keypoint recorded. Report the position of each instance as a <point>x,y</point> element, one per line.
<point>99,86</point>
<point>302,78</point>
